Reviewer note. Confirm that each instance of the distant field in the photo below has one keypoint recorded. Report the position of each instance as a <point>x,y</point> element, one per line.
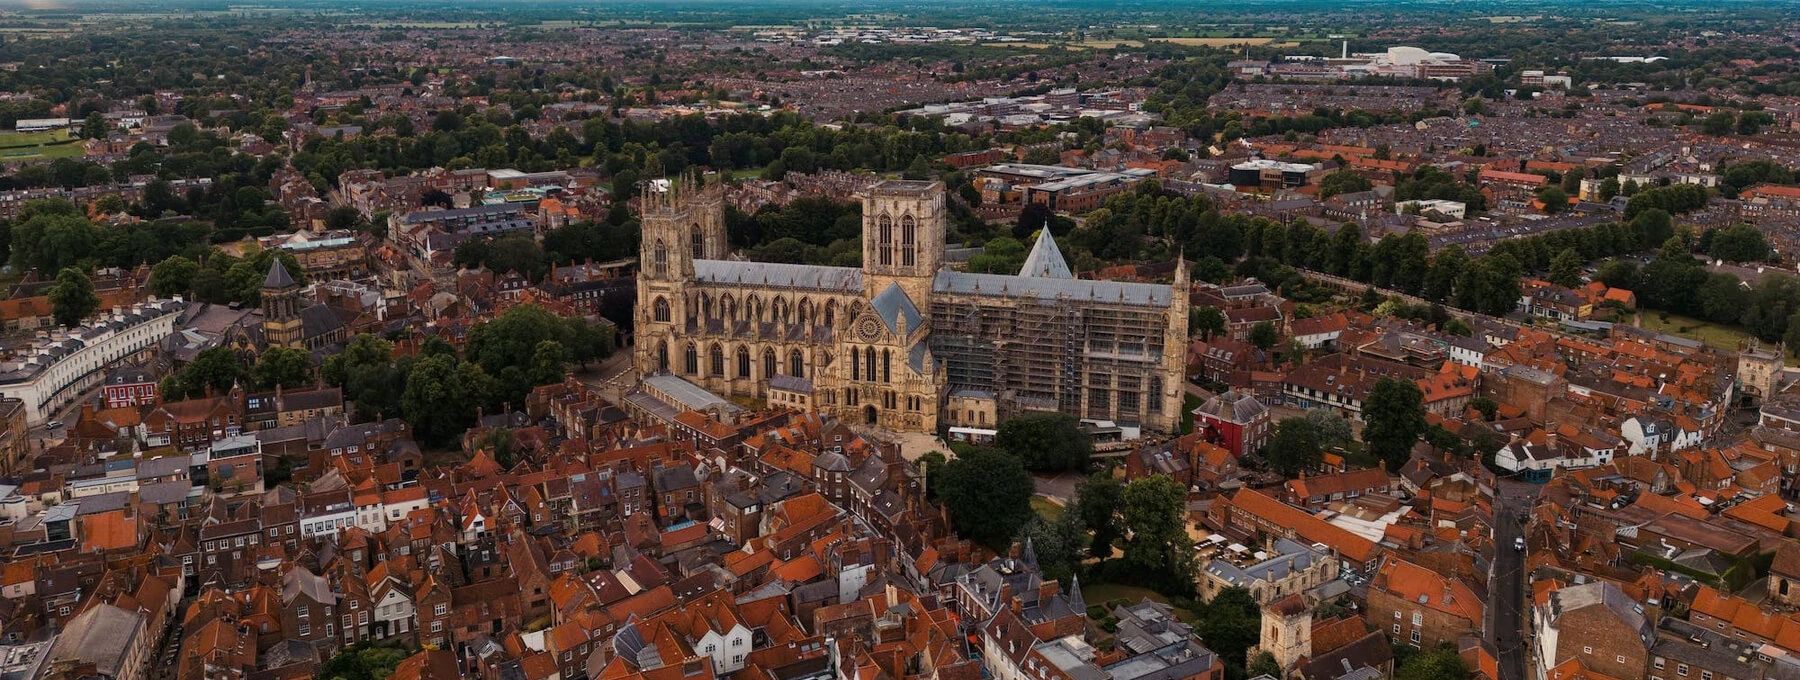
<point>1216,42</point>
<point>53,144</point>
<point>1109,44</point>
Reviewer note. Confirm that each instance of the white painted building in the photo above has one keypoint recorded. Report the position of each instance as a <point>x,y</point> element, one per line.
<point>57,369</point>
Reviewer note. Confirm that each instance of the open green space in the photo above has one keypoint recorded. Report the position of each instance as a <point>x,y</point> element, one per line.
<point>1046,508</point>
<point>1714,335</point>
<point>50,144</point>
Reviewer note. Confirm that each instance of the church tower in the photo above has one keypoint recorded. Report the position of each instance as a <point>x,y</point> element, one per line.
<point>281,308</point>
<point>903,237</point>
<point>683,222</point>
<point>1286,631</point>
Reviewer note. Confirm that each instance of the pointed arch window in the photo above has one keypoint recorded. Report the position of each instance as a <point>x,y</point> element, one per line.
<point>698,243</point>
<point>716,359</point>
<point>884,243</point>
<point>692,360</point>
<point>887,365</point>
<point>661,258</point>
<point>769,363</point>
<point>662,355</point>
<point>662,310</point>
<point>743,363</point>
<point>796,364</point>
<point>908,241</point>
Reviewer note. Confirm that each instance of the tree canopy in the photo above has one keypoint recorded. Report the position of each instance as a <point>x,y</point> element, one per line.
<point>988,493</point>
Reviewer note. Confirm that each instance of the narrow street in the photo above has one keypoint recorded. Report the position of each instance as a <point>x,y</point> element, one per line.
<point>1506,584</point>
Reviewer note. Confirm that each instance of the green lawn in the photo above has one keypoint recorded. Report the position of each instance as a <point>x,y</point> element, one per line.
<point>1046,508</point>
<point>1107,592</point>
<point>51,144</point>
<point>1100,594</point>
<point>746,173</point>
<point>1189,402</point>
<point>1719,337</point>
<point>14,139</point>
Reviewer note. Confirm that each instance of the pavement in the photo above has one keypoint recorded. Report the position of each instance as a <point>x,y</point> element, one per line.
<point>1059,488</point>
<point>1505,629</point>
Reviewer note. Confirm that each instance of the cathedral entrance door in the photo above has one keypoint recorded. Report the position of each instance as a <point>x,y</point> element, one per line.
<point>870,415</point>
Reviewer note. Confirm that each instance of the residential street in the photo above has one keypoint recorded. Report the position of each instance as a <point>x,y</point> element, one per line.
<point>1506,584</point>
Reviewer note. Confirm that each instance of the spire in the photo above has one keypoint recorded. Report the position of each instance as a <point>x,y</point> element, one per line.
<point>278,275</point>
<point>1028,556</point>
<point>1075,601</point>
<point>1045,261</point>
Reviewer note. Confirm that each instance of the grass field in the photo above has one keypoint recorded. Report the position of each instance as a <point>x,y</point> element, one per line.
<point>1046,508</point>
<point>1107,592</point>
<point>1718,337</point>
<point>1100,593</point>
<point>52,144</point>
<point>1216,42</point>
<point>745,173</point>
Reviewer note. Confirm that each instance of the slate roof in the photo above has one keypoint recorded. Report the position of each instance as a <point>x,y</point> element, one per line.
<point>812,277</point>
<point>1045,261</point>
<point>278,275</point>
<point>995,285</point>
<point>892,304</point>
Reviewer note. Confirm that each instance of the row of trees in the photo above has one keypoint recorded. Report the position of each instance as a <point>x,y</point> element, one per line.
<point>439,391</point>
<point>217,370</point>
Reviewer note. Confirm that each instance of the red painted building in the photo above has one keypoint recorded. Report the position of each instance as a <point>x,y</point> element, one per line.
<point>1234,420</point>
<point>129,386</point>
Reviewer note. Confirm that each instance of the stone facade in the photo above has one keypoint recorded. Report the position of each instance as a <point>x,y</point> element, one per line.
<point>885,343</point>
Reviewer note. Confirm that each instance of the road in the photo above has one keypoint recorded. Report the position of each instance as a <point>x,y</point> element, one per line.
<point>1506,584</point>
<point>1058,487</point>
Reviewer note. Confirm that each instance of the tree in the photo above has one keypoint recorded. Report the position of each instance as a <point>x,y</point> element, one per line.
<point>110,204</point>
<point>1488,408</point>
<point>1056,542</point>
<point>442,397</point>
<point>216,369</point>
<point>1293,448</point>
<point>1565,270</point>
<point>1032,217</point>
<point>1263,663</point>
<point>1609,188</point>
<point>50,234</point>
<point>1097,504</point>
<point>1442,663</point>
<point>1001,255</point>
<point>988,493</point>
<point>1719,124</point>
<point>1046,442</point>
<point>72,298</point>
<point>363,661</point>
<point>370,377</point>
<point>1206,321</point>
<point>1343,182</point>
<point>507,348</point>
<point>1618,274</point>
<point>1156,543</point>
<point>1230,623</point>
<point>1446,267</point>
<point>1738,243</point>
<point>173,276</point>
<point>1393,417</point>
<point>282,367</point>
<point>95,127</point>
<point>1264,335</point>
<point>1553,197</point>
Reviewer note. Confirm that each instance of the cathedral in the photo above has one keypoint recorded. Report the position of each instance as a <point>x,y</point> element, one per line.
<point>903,342</point>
